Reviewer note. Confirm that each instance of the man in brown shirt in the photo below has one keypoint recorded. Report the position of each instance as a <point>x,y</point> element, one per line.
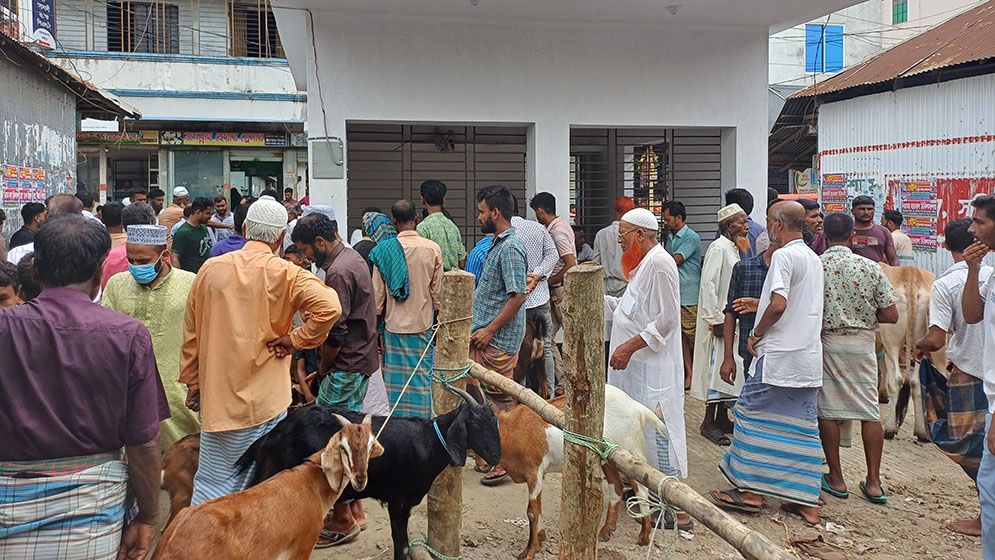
<point>349,356</point>
<point>408,322</point>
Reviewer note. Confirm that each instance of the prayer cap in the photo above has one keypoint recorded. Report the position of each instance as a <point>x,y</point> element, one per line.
<point>729,211</point>
<point>144,234</point>
<point>641,217</point>
<point>268,212</point>
<point>180,191</point>
<point>320,209</point>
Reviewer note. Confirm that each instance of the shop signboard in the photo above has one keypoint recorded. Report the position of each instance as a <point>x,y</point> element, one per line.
<point>43,23</point>
<point>133,137</point>
<point>834,194</point>
<point>229,139</point>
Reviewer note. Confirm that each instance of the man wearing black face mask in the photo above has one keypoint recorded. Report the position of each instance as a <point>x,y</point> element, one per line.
<point>349,356</point>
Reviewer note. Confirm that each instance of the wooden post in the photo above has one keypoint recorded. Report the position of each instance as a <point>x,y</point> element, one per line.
<point>583,349</point>
<point>750,543</point>
<point>452,343</point>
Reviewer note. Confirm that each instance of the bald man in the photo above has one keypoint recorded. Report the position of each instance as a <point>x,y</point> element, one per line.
<point>777,426</point>
<point>62,203</point>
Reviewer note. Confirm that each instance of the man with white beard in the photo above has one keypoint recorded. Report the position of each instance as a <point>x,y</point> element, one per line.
<point>646,358</point>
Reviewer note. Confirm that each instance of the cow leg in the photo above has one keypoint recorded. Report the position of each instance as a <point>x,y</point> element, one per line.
<point>615,492</point>
<point>889,385</point>
<point>536,534</point>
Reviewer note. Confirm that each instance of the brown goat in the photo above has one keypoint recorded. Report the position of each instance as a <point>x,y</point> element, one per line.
<point>178,469</point>
<point>281,517</point>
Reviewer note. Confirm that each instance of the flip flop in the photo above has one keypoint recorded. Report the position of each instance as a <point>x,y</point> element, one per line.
<point>482,469</point>
<point>669,519</point>
<point>335,538</point>
<point>736,504</point>
<point>488,480</point>
<point>716,436</point>
<point>841,494</point>
<point>881,499</point>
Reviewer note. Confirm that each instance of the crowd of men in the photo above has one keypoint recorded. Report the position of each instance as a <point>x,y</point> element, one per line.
<point>135,325</point>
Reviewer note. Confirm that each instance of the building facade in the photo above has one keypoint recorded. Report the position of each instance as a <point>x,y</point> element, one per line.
<point>220,109</point>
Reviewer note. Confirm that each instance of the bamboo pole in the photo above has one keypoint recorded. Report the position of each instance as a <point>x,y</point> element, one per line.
<point>751,544</point>
<point>445,499</point>
<point>583,348</point>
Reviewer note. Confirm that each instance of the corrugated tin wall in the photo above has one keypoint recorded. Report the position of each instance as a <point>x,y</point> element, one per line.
<point>942,133</point>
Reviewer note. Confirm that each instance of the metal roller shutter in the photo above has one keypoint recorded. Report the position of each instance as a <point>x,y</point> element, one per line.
<point>389,162</point>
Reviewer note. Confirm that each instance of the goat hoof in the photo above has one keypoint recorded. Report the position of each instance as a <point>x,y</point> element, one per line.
<point>604,535</point>
<point>644,539</point>
<point>923,439</point>
<point>890,435</point>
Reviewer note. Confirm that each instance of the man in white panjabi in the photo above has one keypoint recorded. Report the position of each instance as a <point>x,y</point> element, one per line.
<point>646,358</point>
<point>716,272</point>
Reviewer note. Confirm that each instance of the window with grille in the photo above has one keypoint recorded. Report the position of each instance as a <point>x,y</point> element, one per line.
<point>899,11</point>
<point>8,19</point>
<point>143,27</point>
<point>253,29</point>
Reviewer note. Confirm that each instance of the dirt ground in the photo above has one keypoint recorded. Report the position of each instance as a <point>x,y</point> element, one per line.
<point>926,490</point>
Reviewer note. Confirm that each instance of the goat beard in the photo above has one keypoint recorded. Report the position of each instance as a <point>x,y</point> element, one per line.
<point>742,243</point>
<point>631,259</point>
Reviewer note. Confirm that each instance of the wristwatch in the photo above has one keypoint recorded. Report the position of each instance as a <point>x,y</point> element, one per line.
<point>753,334</point>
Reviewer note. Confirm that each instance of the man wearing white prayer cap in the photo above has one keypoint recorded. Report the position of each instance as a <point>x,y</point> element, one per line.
<point>709,347</point>
<point>172,214</point>
<point>646,358</point>
<point>238,342</point>
<point>155,293</point>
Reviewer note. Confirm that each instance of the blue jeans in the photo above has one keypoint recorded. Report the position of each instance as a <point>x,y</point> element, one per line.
<point>986,490</point>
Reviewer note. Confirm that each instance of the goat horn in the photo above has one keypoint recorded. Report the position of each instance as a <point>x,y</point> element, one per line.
<point>368,419</point>
<point>342,419</point>
<point>466,396</point>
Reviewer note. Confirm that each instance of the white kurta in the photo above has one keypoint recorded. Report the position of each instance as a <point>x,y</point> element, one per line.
<point>650,308</point>
<point>709,350</point>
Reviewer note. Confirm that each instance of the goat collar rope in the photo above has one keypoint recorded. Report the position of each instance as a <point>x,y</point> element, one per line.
<point>438,432</point>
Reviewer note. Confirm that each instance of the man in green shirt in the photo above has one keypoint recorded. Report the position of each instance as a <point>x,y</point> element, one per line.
<point>438,227</point>
<point>192,242</point>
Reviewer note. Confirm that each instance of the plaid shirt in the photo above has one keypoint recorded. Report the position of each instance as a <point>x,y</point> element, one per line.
<point>503,276</point>
<point>747,280</point>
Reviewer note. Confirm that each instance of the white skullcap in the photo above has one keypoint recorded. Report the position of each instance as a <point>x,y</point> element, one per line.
<point>268,212</point>
<point>641,217</point>
<point>729,211</point>
<point>146,235</point>
<point>320,209</point>
<point>180,191</point>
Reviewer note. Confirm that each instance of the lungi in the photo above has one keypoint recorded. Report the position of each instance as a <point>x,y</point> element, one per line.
<point>217,474</point>
<point>400,356</point>
<point>343,389</point>
<point>376,402</point>
<point>776,448</point>
<point>955,414</point>
<point>79,515</point>
<point>849,377</point>
<point>501,362</point>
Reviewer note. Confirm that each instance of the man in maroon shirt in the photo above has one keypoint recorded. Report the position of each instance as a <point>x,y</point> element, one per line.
<point>79,384</point>
<point>871,240</point>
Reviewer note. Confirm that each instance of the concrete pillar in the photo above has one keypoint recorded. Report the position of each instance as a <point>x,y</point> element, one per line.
<point>102,182</point>
<point>548,164</point>
<point>324,122</point>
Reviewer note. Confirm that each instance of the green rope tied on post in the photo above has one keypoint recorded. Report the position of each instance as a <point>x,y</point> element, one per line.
<point>638,508</point>
<point>424,544</point>
<point>461,372</point>
<point>601,447</point>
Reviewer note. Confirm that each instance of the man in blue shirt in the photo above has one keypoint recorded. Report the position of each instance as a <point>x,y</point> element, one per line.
<point>684,244</point>
<point>498,324</point>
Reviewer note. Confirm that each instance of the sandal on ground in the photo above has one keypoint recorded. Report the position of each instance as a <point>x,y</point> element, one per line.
<point>841,494</point>
<point>795,509</point>
<point>482,469</point>
<point>716,436</point>
<point>494,477</point>
<point>737,502</point>
<point>880,499</point>
<point>669,517</point>
<point>330,538</point>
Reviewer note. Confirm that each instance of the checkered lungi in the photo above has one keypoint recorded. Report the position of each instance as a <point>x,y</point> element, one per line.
<point>400,356</point>
<point>849,377</point>
<point>78,515</point>
<point>217,475</point>
<point>955,414</point>
<point>343,389</point>
<point>689,322</point>
<point>501,362</point>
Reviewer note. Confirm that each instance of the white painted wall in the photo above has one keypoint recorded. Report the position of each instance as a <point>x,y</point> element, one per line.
<point>160,74</point>
<point>872,132</point>
<point>548,76</point>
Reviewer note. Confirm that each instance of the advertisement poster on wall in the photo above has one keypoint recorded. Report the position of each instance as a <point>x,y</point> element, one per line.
<point>23,184</point>
<point>955,196</point>
<point>43,22</point>
<point>919,211</point>
<point>834,195</point>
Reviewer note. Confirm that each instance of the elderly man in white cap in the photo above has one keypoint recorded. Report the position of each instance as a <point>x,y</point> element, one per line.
<point>155,293</point>
<point>716,271</point>
<point>172,215</point>
<point>238,342</point>
<point>646,358</point>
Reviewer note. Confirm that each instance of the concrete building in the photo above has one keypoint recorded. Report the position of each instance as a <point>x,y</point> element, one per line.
<point>585,99</point>
<point>219,104</point>
<point>915,133</point>
<point>39,110</point>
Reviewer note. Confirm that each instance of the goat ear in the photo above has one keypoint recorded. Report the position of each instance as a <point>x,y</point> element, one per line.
<point>342,419</point>
<point>368,419</point>
<point>456,440</point>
